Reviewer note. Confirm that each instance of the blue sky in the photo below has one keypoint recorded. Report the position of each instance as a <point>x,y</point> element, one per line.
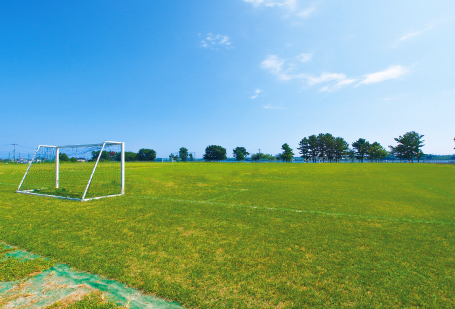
<point>251,73</point>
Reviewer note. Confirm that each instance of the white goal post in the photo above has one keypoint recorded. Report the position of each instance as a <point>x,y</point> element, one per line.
<point>76,172</point>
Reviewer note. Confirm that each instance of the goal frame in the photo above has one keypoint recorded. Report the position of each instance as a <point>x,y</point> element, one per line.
<point>57,171</point>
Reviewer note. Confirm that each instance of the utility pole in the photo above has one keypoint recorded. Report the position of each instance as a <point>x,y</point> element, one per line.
<point>14,152</point>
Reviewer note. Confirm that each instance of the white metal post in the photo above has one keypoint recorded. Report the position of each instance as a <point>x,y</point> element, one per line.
<point>93,172</point>
<point>123,168</point>
<point>57,167</point>
<point>28,168</point>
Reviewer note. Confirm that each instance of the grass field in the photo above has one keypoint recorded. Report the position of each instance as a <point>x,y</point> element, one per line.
<point>230,235</point>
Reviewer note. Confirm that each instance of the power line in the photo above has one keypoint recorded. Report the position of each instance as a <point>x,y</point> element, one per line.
<point>26,146</point>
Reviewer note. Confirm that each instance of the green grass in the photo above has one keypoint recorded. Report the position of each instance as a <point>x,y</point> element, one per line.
<point>256,235</point>
<point>12,269</point>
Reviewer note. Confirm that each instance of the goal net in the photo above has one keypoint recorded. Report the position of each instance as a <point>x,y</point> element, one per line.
<point>78,172</point>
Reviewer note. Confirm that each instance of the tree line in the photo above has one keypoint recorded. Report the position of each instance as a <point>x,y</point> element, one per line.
<point>143,154</point>
<point>322,147</point>
<point>326,147</point>
<point>330,148</point>
<point>182,156</point>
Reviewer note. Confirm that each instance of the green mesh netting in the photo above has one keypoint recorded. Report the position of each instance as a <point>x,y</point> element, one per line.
<point>62,284</point>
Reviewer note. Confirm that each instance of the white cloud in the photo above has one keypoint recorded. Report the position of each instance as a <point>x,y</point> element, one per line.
<point>256,93</point>
<point>338,85</point>
<point>274,64</point>
<point>214,41</point>
<point>325,77</point>
<point>288,70</point>
<point>291,6</point>
<point>305,57</point>
<point>307,12</point>
<point>273,107</point>
<point>272,3</point>
<point>409,35</point>
<point>284,71</point>
<point>392,72</point>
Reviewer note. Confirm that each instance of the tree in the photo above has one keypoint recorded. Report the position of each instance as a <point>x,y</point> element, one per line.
<point>130,156</point>
<point>341,148</point>
<point>63,157</point>
<point>240,153</point>
<point>376,152</point>
<point>256,157</point>
<point>191,157</point>
<point>398,151</point>
<point>173,157</point>
<point>269,157</point>
<point>321,146</point>
<point>361,147</point>
<point>330,143</point>
<point>313,143</point>
<point>117,156</point>
<point>382,154</point>
<point>419,155</point>
<point>145,154</point>
<point>215,153</point>
<point>409,146</point>
<point>287,153</point>
<point>263,156</point>
<point>105,156</point>
<point>305,148</point>
<point>183,154</point>
<point>351,155</point>
<point>73,159</point>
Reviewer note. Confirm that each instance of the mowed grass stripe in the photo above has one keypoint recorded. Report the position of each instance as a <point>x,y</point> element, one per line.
<point>379,190</point>
<point>210,202</point>
<point>221,257</point>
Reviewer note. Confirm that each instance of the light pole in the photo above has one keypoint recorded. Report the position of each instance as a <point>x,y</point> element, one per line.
<point>14,152</point>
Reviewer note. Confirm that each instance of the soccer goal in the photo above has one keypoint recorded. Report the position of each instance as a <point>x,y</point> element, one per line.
<point>76,172</point>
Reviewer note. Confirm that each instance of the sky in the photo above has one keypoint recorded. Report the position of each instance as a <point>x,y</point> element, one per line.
<point>249,73</point>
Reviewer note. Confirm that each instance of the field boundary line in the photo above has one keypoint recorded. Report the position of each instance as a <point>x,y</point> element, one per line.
<point>225,195</point>
<point>317,212</point>
<point>9,184</point>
